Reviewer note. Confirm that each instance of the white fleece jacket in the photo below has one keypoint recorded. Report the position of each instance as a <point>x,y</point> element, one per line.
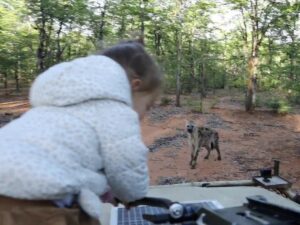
<point>80,136</point>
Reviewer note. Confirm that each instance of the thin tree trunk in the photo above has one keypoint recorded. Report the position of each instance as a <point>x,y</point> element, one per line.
<point>17,77</point>
<point>292,66</point>
<point>101,27</point>
<point>270,48</point>
<point>69,53</point>
<point>292,57</point>
<point>192,78</point>
<point>123,27</point>
<point>49,56</point>
<point>178,70</point>
<point>250,99</point>
<point>157,40</point>
<point>142,18</point>
<point>226,78</point>
<point>293,49</point>
<point>59,50</point>
<point>5,83</point>
<point>252,84</point>
<point>202,80</point>
<point>41,51</point>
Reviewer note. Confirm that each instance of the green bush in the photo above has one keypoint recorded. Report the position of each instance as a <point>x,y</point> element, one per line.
<point>267,83</point>
<point>294,98</point>
<point>258,101</point>
<point>238,82</point>
<point>279,106</point>
<point>292,89</point>
<point>194,105</point>
<point>164,101</point>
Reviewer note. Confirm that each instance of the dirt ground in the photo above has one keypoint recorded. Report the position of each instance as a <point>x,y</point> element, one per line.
<point>247,141</point>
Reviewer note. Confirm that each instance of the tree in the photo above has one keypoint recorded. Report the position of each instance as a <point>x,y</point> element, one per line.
<point>51,19</point>
<point>286,28</point>
<point>180,34</point>
<point>258,17</point>
<point>98,21</point>
<point>16,43</point>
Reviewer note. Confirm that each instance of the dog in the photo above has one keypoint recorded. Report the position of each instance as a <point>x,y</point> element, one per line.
<point>201,137</point>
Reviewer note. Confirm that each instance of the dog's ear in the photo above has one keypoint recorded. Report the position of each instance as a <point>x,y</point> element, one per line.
<point>191,122</point>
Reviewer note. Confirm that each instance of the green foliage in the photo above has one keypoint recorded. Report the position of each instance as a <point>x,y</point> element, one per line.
<point>164,101</point>
<point>294,98</point>
<point>258,101</point>
<point>180,34</point>
<point>195,105</point>
<point>269,82</point>
<point>17,39</point>
<point>279,106</point>
<point>293,93</point>
<point>76,45</point>
<point>238,82</point>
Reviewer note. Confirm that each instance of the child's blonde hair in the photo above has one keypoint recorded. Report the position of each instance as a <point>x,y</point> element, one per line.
<point>137,63</point>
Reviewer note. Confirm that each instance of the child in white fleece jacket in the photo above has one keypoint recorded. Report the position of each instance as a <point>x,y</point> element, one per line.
<point>82,138</point>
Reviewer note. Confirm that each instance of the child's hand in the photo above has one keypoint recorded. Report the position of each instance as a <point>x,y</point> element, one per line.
<point>108,197</point>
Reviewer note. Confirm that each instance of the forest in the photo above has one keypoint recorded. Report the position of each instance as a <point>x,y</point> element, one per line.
<point>252,45</point>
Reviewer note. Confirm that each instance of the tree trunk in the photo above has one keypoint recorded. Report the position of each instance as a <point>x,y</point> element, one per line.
<point>292,57</point>
<point>225,79</point>
<point>123,27</point>
<point>202,80</point>
<point>5,82</point>
<point>192,78</point>
<point>59,50</point>
<point>142,18</point>
<point>292,66</point>
<point>253,60</point>
<point>252,84</point>
<point>293,50</point>
<point>101,27</point>
<point>17,77</point>
<point>270,49</point>
<point>178,70</point>
<point>41,51</point>
<point>42,40</point>
<point>69,52</point>
<point>157,40</point>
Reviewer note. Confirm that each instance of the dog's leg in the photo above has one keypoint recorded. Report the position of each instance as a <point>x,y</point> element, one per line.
<point>194,156</point>
<point>192,153</point>
<point>193,163</point>
<point>196,153</point>
<point>191,143</point>
<point>208,152</point>
<point>218,150</point>
<point>194,145</point>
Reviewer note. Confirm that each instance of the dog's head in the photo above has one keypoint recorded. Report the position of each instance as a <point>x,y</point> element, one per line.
<point>190,126</point>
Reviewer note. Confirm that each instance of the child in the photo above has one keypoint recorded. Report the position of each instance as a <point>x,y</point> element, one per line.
<point>80,141</point>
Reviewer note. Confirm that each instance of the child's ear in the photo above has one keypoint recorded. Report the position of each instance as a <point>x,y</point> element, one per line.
<point>136,84</point>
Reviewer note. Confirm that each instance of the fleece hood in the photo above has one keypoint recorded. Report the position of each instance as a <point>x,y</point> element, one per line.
<point>89,78</point>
